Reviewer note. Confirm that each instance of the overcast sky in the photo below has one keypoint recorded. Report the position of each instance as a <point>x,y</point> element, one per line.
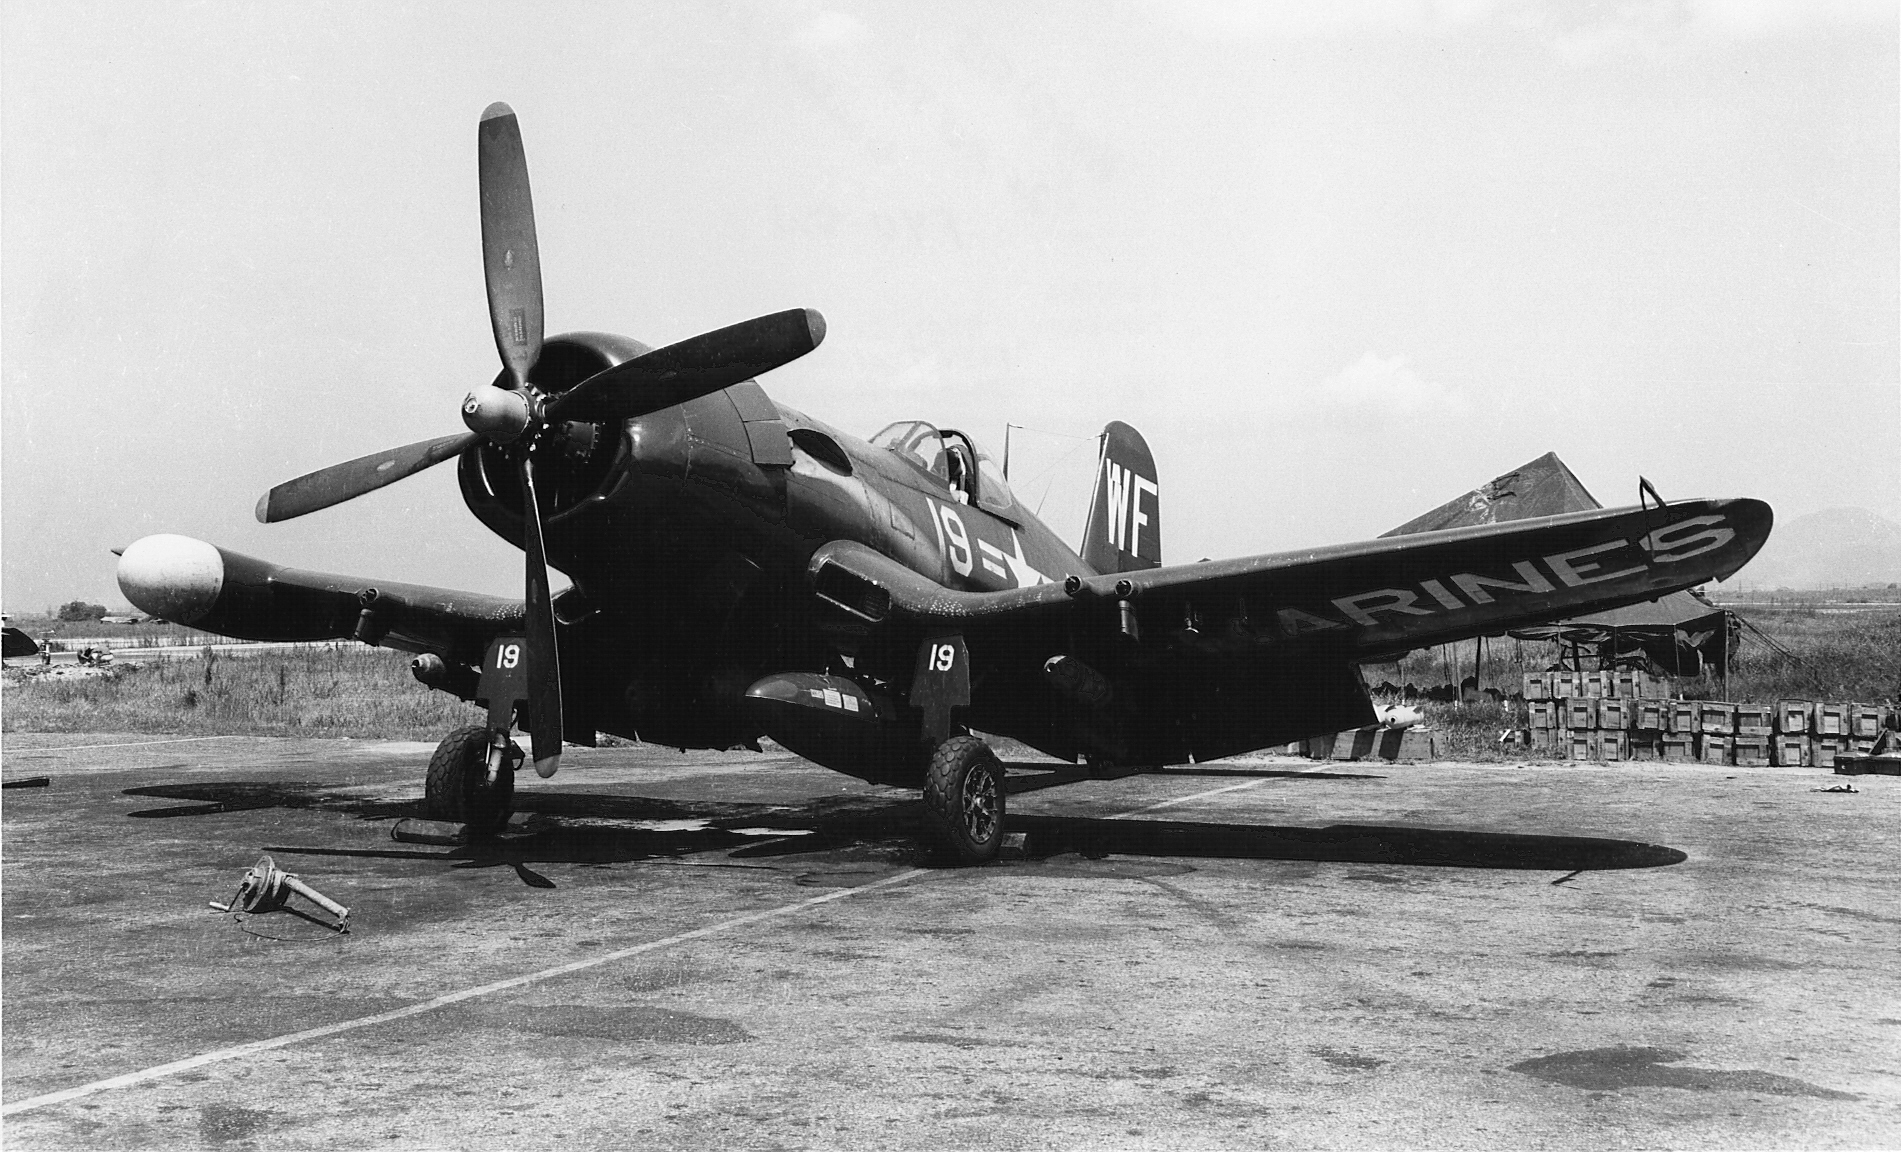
<point>1339,261</point>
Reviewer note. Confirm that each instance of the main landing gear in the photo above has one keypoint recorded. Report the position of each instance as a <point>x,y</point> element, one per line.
<point>471,779</point>
<point>963,802</point>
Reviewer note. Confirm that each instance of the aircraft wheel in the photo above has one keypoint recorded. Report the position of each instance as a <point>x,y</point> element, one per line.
<point>963,802</point>
<point>457,788</point>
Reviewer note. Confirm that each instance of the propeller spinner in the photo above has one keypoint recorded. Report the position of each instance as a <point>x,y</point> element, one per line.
<point>517,417</point>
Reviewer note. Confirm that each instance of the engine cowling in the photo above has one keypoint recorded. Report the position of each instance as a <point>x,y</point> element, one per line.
<point>581,460</point>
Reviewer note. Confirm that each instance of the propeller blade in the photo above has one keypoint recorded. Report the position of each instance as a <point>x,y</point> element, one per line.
<point>511,260</point>
<point>692,368</point>
<point>544,659</point>
<point>347,481</point>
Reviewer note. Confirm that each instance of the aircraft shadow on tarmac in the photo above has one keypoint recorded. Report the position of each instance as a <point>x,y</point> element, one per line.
<point>566,827</point>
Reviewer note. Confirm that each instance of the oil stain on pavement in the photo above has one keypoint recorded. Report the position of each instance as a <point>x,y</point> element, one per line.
<point>1612,1069</point>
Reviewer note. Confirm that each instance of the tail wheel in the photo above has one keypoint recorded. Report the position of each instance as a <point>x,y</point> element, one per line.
<point>457,786</point>
<point>963,801</point>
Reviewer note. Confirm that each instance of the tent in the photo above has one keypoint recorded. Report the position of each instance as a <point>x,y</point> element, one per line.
<point>1680,634</point>
<point>1543,487</point>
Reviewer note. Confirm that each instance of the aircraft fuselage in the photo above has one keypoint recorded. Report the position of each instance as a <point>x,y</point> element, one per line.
<point>689,559</point>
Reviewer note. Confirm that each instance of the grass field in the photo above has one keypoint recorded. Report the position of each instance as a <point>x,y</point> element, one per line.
<point>1807,597</point>
<point>350,690</point>
<point>346,690</point>
<point>152,633</point>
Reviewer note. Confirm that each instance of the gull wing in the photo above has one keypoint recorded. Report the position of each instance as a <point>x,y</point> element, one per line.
<point>190,582</point>
<point>1218,657</point>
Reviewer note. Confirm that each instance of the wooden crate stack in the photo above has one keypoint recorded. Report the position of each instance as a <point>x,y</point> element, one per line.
<point>1603,716</point>
<point>1372,743</point>
<point>1613,716</point>
<point>1833,728</point>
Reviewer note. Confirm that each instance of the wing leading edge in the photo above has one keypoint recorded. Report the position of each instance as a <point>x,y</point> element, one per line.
<point>190,582</point>
<point>1206,660</point>
<point>1369,599</point>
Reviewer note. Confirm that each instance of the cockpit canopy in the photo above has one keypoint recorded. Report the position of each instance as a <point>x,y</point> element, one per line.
<point>953,459</point>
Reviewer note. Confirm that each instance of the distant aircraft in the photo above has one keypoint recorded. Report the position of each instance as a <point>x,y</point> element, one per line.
<point>740,569</point>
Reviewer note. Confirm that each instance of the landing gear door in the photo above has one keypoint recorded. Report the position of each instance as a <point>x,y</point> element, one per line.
<point>941,683</point>
<point>504,683</point>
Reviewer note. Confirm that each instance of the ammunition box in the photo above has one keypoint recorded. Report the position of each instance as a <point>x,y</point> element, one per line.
<point>1829,719</point>
<point>1716,719</point>
<point>1792,716</point>
<point>1755,720</point>
<point>1650,715</point>
<point>1682,717</point>
<point>1864,720</point>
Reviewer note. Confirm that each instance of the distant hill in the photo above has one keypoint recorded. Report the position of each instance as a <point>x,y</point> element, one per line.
<point>1834,548</point>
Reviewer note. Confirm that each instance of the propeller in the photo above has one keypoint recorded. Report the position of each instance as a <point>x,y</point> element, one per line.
<point>511,259</point>
<point>517,417</point>
<point>340,482</point>
<point>544,657</point>
<point>693,367</point>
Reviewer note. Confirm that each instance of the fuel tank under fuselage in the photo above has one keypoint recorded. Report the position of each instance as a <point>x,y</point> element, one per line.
<point>687,536</point>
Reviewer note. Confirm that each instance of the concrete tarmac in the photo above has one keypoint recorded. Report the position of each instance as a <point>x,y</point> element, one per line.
<point>739,950</point>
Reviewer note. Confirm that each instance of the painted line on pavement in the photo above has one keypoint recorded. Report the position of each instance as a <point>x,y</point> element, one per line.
<point>134,744</point>
<point>256,1046</point>
<point>1185,799</point>
<point>161,1070</point>
<point>1211,792</point>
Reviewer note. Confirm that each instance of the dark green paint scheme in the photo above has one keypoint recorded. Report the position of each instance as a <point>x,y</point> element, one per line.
<point>731,538</point>
<point>740,569</point>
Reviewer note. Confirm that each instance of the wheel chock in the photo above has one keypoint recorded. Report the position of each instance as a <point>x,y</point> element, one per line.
<point>414,831</point>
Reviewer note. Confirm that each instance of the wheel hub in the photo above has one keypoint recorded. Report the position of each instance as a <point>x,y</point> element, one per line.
<point>980,804</point>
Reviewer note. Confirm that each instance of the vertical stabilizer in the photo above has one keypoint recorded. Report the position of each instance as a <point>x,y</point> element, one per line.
<point>1125,511</point>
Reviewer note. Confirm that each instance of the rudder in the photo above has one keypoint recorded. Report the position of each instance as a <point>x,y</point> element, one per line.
<point>1124,532</point>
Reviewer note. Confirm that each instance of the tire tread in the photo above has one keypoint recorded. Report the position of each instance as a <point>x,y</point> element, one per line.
<point>455,776</point>
<point>943,815</point>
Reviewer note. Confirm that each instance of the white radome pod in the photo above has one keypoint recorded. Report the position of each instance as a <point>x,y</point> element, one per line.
<point>171,577</point>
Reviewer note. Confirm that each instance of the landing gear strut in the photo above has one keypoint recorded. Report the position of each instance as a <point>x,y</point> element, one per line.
<point>963,802</point>
<point>472,780</point>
